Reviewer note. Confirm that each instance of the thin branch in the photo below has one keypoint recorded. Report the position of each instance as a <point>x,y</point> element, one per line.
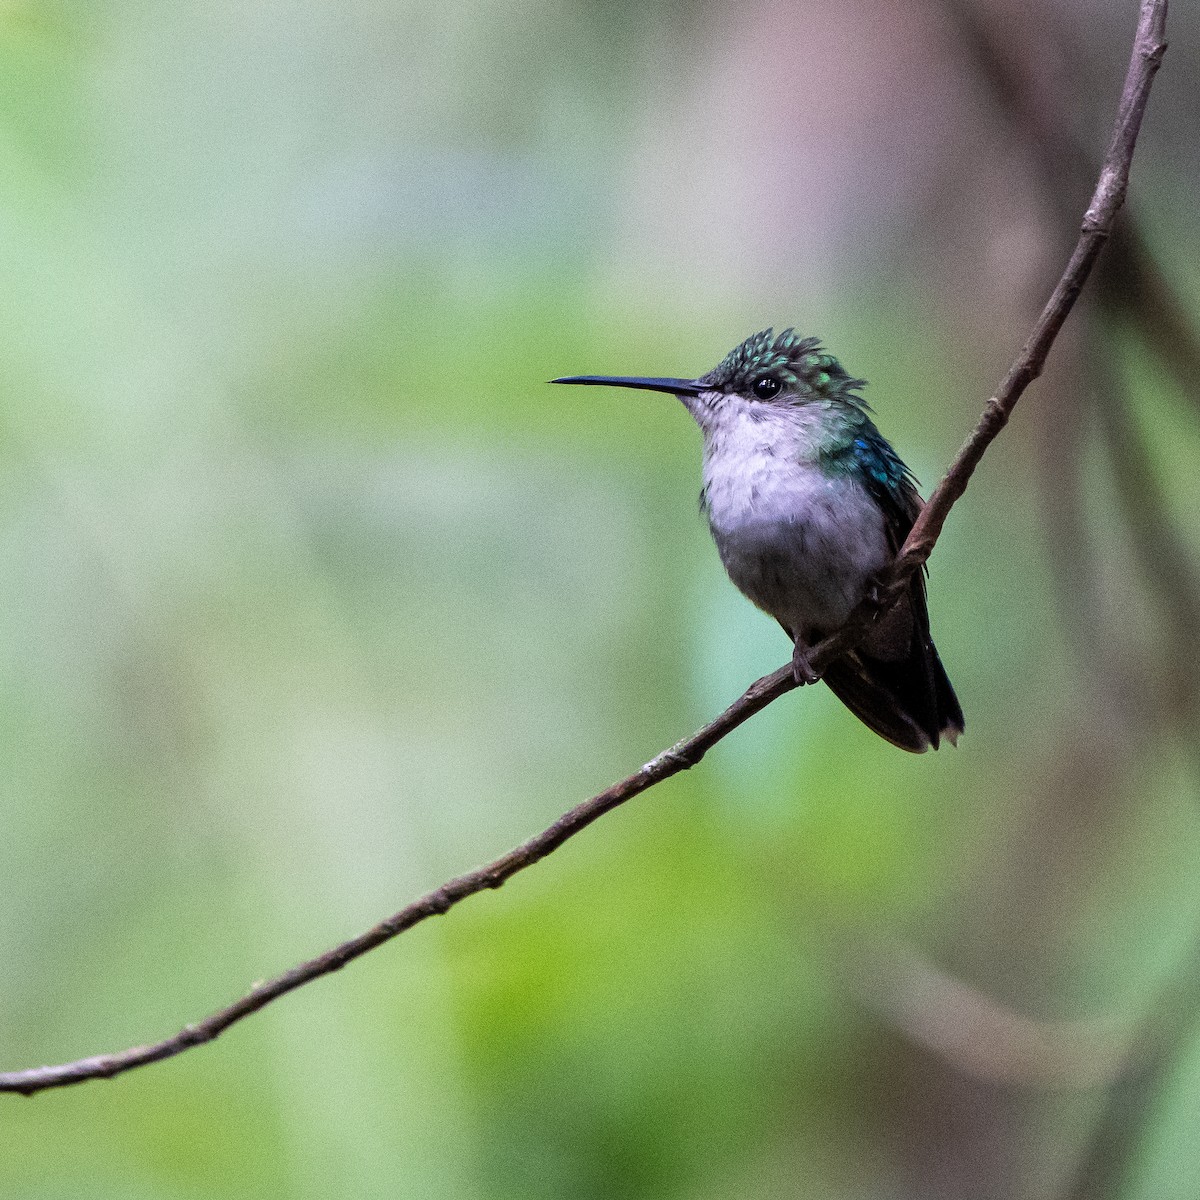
<point>1133,293</point>
<point>678,758</point>
<point>1132,284</point>
<point>1131,290</point>
<point>1148,50</point>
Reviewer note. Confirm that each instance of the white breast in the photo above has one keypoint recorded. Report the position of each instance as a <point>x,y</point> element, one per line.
<point>800,544</point>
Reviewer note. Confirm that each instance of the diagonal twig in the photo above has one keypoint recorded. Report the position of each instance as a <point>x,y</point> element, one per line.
<point>1132,283</point>
<point>1134,294</point>
<point>1148,49</point>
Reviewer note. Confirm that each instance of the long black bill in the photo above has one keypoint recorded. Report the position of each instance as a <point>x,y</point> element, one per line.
<point>675,387</point>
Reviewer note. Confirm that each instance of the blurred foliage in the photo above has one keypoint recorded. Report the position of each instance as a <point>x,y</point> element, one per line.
<point>312,594</point>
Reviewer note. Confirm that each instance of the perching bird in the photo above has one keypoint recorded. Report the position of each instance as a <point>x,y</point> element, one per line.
<point>807,503</point>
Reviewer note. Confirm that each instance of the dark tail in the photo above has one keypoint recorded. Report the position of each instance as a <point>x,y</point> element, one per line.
<point>902,693</point>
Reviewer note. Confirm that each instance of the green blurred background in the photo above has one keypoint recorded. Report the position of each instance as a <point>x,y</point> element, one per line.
<point>313,594</point>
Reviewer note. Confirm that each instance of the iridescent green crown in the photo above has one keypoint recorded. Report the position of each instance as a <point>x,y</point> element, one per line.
<point>795,361</point>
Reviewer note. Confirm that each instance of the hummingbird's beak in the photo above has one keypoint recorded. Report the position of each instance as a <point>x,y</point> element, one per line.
<point>675,387</point>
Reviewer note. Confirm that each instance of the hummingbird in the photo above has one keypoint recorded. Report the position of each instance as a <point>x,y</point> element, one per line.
<point>807,503</point>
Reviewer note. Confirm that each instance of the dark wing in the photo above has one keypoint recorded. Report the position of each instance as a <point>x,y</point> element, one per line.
<point>890,483</point>
<point>895,683</point>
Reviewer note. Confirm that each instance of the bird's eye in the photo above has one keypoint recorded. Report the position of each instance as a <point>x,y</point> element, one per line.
<point>767,387</point>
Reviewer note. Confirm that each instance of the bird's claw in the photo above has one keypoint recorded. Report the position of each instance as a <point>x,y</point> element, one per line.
<point>802,669</point>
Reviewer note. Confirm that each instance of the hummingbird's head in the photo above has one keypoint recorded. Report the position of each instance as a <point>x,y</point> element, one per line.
<point>781,372</point>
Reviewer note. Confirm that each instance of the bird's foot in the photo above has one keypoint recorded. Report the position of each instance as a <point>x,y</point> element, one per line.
<point>880,594</point>
<point>802,669</point>
<point>875,593</point>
